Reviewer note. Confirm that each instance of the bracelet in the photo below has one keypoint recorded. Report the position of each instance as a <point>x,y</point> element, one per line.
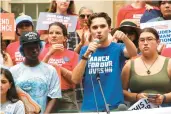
<point>84,58</point>
<point>66,73</point>
<point>164,98</point>
<point>136,97</point>
<point>80,44</point>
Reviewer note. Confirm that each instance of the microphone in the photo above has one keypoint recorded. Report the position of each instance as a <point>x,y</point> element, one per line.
<point>122,107</point>
<point>101,89</point>
<point>97,41</point>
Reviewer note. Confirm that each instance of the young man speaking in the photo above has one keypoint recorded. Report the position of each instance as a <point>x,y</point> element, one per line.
<point>105,60</point>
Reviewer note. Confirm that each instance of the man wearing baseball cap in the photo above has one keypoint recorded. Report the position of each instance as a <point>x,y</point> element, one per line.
<point>24,23</point>
<point>38,79</point>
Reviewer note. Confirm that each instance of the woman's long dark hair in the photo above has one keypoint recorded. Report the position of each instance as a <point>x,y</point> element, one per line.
<point>3,46</point>
<point>12,92</point>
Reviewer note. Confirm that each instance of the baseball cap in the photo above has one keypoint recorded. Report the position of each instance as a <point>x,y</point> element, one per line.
<point>23,18</point>
<point>28,37</point>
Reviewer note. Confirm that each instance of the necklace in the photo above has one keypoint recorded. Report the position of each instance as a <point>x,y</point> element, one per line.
<point>148,69</point>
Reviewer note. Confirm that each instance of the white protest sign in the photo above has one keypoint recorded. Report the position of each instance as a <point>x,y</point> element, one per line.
<point>149,111</point>
<point>70,21</point>
<point>163,28</point>
<point>143,104</point>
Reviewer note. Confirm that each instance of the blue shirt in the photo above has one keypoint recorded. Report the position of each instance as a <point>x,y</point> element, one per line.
<point>108,62</point>
<point>149,15</point>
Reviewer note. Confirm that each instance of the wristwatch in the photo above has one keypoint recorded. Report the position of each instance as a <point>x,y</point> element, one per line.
<point>84,58</point>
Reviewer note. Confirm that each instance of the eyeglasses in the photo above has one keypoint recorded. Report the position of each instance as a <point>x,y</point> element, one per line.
<point>25,24</point>
<point>82,16</point>
<point>148,39</point>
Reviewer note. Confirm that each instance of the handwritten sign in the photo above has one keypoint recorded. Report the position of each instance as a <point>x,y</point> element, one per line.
<point>47,18</point>
<point>7,26</point>
<point>163,28</point>
<point>143,104</point>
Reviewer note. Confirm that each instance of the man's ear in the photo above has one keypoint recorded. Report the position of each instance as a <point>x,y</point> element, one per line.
<point>110,29</point>
<point>158,41</point>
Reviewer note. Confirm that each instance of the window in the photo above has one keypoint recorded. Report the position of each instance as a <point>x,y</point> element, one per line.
<point>31,9</point>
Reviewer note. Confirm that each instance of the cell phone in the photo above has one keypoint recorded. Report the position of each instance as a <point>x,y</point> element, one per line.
<point>151,95</point>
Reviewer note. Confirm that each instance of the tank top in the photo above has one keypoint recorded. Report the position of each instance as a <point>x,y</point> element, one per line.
<point>156,83</point>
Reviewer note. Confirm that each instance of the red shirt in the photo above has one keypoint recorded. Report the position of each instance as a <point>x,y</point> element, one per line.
<point>13,50</point>
<point>129,12</point>
<point>67,59</point>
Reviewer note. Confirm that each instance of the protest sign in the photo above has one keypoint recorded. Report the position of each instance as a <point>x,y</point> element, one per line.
<point>143,104</point>
<point>46,18</point>
<point>7,26</point>
<point>163,28</point>
<point>30,105</point>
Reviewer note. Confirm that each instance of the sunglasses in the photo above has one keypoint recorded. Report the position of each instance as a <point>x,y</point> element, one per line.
<point>25,24</point>
<point>82,16</point>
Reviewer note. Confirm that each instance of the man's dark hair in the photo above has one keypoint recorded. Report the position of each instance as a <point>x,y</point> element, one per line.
<point>98,15</point>
<point>160,2</point>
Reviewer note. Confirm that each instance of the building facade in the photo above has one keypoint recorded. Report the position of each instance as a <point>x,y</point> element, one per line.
<point>34,7</point>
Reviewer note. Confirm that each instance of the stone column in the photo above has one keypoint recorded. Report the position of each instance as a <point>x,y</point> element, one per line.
<point>6,5</point>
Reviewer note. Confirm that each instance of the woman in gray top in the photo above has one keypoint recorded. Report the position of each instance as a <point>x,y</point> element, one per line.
<point>10,102</point>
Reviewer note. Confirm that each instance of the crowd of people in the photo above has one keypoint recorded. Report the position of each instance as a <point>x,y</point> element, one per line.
<point>95,68</point>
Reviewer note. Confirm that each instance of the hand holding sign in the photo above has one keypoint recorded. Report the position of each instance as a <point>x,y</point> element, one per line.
<point>163,28</point>
<point>157,99</point>
<point>141,95</point>
<point>7,26</point>
<point>143,104</point>
<point>46,18</point>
